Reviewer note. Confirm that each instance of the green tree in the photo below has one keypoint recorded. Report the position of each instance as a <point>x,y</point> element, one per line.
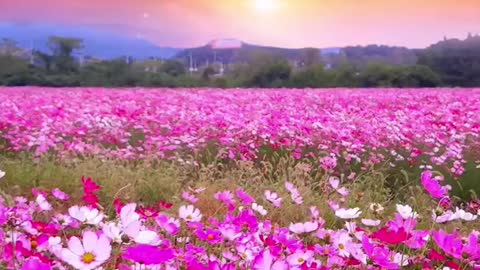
<point>173,68</point>
<point>313,76</point>
<point>310,57</point>
<point>62,49</point>
<point>207,73</point>
<point>268,70</point>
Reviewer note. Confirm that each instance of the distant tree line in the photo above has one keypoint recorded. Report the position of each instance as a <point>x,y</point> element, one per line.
<point>450,62</point>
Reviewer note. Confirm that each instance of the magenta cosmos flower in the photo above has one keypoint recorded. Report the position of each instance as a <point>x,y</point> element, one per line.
<point>147,255</point>
<point>432,186</point>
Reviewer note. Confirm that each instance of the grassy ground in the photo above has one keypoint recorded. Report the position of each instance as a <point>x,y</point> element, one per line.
<point>151,182</point>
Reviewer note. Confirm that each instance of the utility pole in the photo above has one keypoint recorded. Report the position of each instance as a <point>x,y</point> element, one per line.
<point>191,63</point>
<point>31,52</point>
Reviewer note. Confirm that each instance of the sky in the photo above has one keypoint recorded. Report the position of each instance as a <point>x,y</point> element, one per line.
<point>283,23</point>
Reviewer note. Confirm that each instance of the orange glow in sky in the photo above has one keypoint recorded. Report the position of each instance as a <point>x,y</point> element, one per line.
<point>287,23</point>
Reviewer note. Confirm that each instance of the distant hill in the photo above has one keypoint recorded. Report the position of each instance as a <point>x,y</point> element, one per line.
<point>358,55</point>
<point>206,53</point>
<point>97,43</point>
<point>108,45</point>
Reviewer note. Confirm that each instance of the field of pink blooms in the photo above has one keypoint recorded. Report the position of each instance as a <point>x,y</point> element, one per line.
<point>339,137</point>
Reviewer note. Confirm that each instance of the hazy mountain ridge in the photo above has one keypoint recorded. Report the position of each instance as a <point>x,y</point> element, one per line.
<point>97,43</point>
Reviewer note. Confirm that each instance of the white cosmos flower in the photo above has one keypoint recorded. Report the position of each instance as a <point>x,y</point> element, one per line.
<point>462,214</point>
<point>258,208</point>
<point>401,259</point>
<point>189,213</point>
<point>86,215</point>
<point>2,174</point>
<point>147,237</point>
<point>406,211</point>
<point>113,231</point>
<point>348,213</point>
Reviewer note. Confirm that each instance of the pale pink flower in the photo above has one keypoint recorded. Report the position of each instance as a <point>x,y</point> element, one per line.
<point>334,183</point>
<point>300,257</point>
<point>86,214</point>
<point>43,203</point>
<point>189,213</point>
<point>348,213</point>
<point>89,253</point>
<point>189,197</point>
<point>370,222</point>
<point>300,228</point>
<point>273,198</point>
<point>57,193</point>
<point>266,261</point>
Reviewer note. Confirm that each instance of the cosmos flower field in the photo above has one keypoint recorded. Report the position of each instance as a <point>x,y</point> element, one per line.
<point>339,137</point>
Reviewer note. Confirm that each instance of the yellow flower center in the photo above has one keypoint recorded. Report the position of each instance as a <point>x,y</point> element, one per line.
<point>210,237</point>
<point>189,217</point>
<point>300,260</point>
<point>88,258</point>
<point>327,237</point>
<point>34,244</point>
<point>341,246</point>
<point>148,213</point>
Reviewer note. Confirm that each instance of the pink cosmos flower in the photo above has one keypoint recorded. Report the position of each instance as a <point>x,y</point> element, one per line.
<point>391,237</point>
<point>189,197</point>
<point>226,197</point>
<point>418,240</point>
<point>169,225</point>
<point>472,247</point>
<point>147,255</point>
<point>265,261</point>
<point>273,198</point>
<point>449,243</point>
<point>35,264</point>
<point>294,193</point>
<point>89,190</point>
<point>87,254</point>
<point>148,212</point>
<point>57,193</point>
<point>334,183</point>
<point>210,236</point>
<point>244,197</point>
<point>432,185</point>
<point>335,206</point>
<point>380,255</point>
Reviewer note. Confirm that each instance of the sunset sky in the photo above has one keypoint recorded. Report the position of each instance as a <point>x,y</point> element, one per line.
<point>287,23</point>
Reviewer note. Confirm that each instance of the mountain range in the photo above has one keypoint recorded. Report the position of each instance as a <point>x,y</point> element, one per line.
<point>97,43</point>
<point>101,43</point>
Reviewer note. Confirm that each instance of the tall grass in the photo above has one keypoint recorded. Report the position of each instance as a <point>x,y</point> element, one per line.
<point>150,182</point>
